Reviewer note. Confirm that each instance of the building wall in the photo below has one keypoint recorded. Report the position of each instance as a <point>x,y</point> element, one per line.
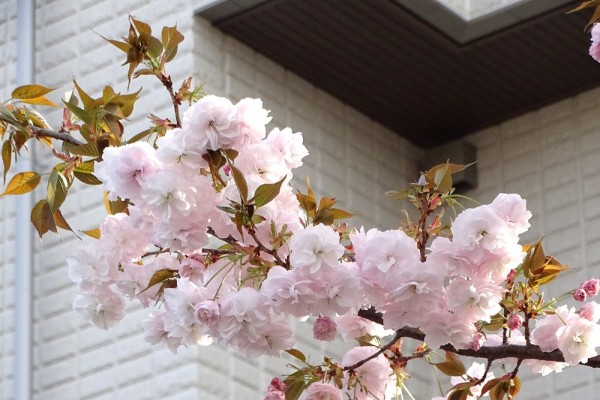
<point>8,13</point>
<point>75,361</point>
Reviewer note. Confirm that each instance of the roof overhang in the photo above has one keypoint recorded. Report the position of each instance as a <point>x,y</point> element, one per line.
<point>414,65</point>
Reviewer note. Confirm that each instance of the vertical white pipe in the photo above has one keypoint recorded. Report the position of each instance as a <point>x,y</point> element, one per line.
<point>24,232</point>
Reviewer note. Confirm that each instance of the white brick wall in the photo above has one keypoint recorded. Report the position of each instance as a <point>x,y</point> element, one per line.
<point>548,156</point>
<point>8,13</point>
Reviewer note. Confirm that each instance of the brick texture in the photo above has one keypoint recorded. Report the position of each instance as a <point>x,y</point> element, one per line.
<point>549,156</point>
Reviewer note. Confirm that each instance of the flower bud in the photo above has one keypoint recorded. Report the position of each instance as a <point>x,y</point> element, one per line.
<point>514,321</point>
<point>579,294</point>
<point>207,312</point>
<point>276,390</point>
<point>591,287</point>
<point>324,329</point>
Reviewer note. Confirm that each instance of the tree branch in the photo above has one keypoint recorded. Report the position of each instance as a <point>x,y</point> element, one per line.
<point>41,132</point>
<point>397,336</point>
<point>168,84</point>
<point>531,352</point>
<point>65,137</point>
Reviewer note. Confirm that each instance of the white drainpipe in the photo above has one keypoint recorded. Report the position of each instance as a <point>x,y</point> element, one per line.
<point>24,231</point>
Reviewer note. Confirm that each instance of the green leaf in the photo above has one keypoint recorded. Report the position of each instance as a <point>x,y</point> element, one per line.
<point>171,38</point>
<point>40,101</point>
<point>6,156</point>
<point>30,92</point>
<point>155,47</point>
<point>42,218</point>
<point>57,190</point>
<point>61,222</point>
<point>296,353</point>
<point>124,47</point>
<point>515,387</point>
<point>115,206</point>
<point>88,149</point>
<point>160,276</point>
<point>453,366</point>
<point>140,136</point>
<point>140,26</point>
<point>295,385</point>
<point>21,183</point>
<point>241,183</point>
<point>93,233</point>
<point>88,102</point>
<point>231,154</point>
<point>88,179</point>
<point>267,192</point>
<point>79,113</point>
<point>340,214</point>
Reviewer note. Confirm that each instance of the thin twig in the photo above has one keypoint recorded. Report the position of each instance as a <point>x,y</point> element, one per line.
<point>397,336</point>
<point>168,84</point>
<point>272,252</point>
<point>41,132</point>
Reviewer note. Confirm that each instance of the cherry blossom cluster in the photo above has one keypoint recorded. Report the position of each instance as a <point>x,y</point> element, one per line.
<point>212,266</point>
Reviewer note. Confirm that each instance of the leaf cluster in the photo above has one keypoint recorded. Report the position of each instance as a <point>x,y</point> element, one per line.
<point>323,213</point>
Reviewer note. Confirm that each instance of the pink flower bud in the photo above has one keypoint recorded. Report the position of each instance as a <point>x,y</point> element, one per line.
<point>579,294</point>
<point>478,341</point>
<point>227,169</point>
<point>324,329</point>
<point>514,321</point>
<point>276,390</point>
<point>590,311</point>
<point>511,275</point>
<point>207,312</point>
<point>591,287</point>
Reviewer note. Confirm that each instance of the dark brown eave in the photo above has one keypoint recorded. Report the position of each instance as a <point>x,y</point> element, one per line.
<point>393,66</point>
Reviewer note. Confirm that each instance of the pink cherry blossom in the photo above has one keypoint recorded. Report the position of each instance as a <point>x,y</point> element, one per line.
<point>252,119</point>
<point>212,122</point>
<point>324,329</point>
<point>590,311</point>
<point>124,169</point>
<point>323,391</point>
<point>314,247</point>
<point>512,209</point>
<point>207,312</point>
<point>372,377</point>
<point>591,287</point>
<point>352,327</point>
<point>102,307</point>
<point>579,340</point>
<point>548,329</point>
<point>276,390</point>
<point>595,46</point>
<point>288,145</point>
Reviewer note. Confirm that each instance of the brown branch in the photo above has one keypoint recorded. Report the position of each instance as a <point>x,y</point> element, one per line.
<point>531,352</point>
<point>272,252</point>
<point>168,84</point>
<point>41,132</point>
<point>229,239</point>
<point>425,212</point>
<point>396,337</point>
<point>62,136</point>
<point>505,351</point>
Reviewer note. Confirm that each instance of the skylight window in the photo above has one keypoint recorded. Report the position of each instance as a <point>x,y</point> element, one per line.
<point>469,10</point>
